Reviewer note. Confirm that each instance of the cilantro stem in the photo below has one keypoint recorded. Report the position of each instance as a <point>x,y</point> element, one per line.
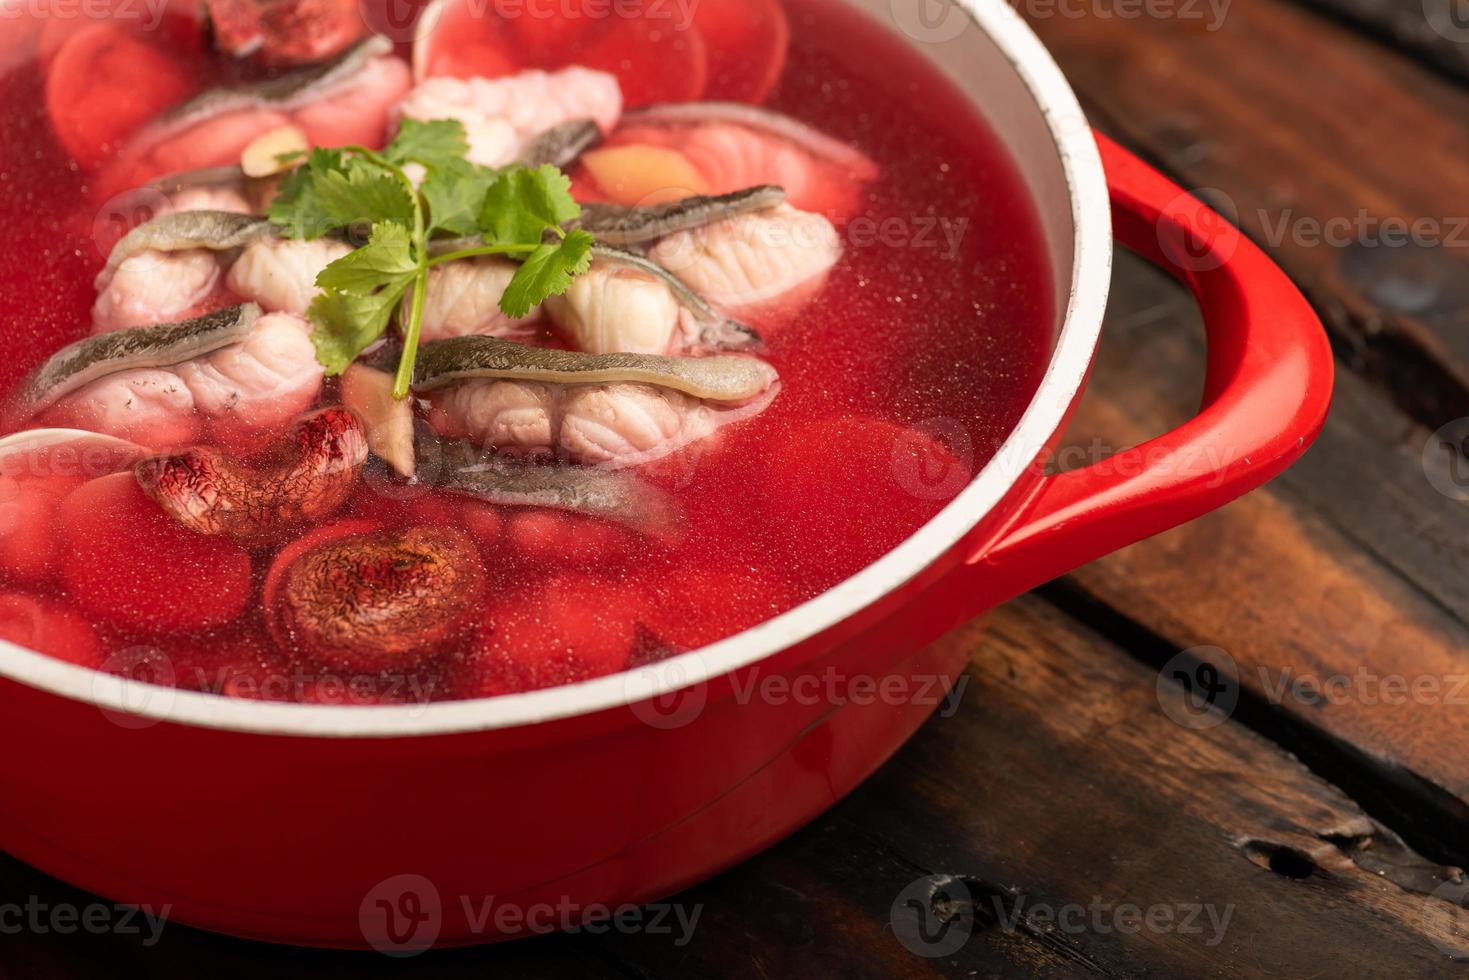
<point>413,329</point>
<point>403,382</point>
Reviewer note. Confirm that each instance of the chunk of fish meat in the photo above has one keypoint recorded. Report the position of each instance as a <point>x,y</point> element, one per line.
<point>257,386</point>
<point>345,101</point>
<point>150,406</point>
<point>504,116</point>
<point>515,416</point>
<point>158,287</point>
<point>767,262</point>
<point>628,304</point>
<point>280,273</point>
<point>240,392</point>
<point>615,426</point>
<point>619,309</point>
<point>184,264</point>
<point>463,299</point>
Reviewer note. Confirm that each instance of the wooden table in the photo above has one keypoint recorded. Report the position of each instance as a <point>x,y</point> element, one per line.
<point>1078,815</point>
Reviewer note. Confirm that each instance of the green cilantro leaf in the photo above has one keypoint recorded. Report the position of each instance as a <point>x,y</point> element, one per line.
<point>331,193</point>
<point>548,272</point>
<point>385,261</point>
<point>346,325</point>
<point>455,192</point>
<point>523,204</point>
<point>363,194</point>
<point>296,209</point>
<point>359,294</point>
<point>432,144</point>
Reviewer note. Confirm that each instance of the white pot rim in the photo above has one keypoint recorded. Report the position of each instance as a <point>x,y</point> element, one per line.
<point>1075,347</point>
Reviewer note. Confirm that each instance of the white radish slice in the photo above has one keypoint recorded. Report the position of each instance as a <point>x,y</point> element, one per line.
<point>42,453</point>
<point>428,23</point>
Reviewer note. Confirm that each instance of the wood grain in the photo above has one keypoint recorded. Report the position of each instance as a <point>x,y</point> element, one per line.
<point>1332,591</point>
<point>1323,145</point>
<point>1435,31</point>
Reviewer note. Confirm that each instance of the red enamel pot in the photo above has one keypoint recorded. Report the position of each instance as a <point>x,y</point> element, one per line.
<point>392,827</point>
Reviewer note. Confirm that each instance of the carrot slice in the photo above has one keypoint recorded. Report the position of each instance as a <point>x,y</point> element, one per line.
<point>748,42</point>
<point>103,84</point>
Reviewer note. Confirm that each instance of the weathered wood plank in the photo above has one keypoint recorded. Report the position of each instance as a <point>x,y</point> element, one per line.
<point>1346,572</point>
<point>1323,145</point>
<point>1435,30</point>
<point>1061,783</point>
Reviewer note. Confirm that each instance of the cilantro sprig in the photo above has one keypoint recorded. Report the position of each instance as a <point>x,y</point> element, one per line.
<point>359,193</point>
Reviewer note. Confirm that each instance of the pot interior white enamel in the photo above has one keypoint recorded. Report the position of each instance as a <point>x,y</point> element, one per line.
<point>992,56</point>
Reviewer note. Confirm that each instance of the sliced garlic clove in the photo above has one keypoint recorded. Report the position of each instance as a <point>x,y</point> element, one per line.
<point>263,157</point>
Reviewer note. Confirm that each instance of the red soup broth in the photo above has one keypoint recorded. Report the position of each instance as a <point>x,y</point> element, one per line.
<point>899,381</point>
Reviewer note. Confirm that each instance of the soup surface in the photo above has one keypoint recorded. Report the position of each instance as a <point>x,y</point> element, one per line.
<point>900,374</point>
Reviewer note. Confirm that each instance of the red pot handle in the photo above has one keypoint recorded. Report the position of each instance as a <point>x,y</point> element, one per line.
<point>1266,392</point>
